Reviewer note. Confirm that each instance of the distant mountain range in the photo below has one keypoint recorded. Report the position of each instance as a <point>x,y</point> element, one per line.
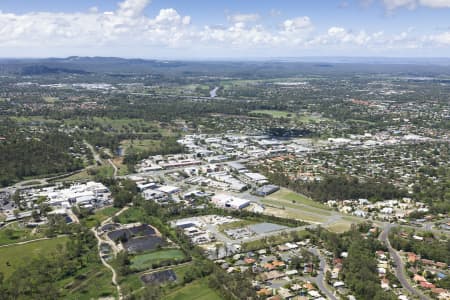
<point>78,65</point>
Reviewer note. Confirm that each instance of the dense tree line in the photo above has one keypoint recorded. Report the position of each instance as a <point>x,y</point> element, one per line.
<point>169,145</point>
<point>339,187</point>
<point>361,273</point>
<point>43,154</point>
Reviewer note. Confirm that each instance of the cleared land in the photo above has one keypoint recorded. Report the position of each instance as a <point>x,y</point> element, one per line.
<point>197,290</point>
<point>288,204</point>
<point>339,226</point>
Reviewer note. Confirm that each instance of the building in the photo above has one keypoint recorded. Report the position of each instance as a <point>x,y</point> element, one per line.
<point>267,190</point>
<point>228,201</point>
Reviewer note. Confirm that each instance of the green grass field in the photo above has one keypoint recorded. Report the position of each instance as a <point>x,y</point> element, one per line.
<point>288,204</point>
<point>145,261</point>
<point>90,282</point>
<point>131,215</point>
<point>198,290</point>
<point>17,255</point>
<point>276,114</point>
<point>133,281</point>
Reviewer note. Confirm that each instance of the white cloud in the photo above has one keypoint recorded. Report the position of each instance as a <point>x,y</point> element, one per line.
<point>435,3</point>
<point>243,18</point>
<point>297,24</point>
<point>442,39</point>
<point>393,4</point>
<point>129,30</point>
<point>132,8</point>
<point>412,4</point>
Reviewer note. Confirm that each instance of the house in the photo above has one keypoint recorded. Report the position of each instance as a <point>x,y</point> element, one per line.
<point>272,275</point>
<point>249,260</point>
<point>427,285</point>
<point>385,284</point>
<point>427,262</point>
<point>338,284</point>
<point>412,257</point>
<point>285,293</point>
<point>264,292</point>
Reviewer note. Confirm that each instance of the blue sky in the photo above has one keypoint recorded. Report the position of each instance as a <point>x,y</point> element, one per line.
<point>221,29</point>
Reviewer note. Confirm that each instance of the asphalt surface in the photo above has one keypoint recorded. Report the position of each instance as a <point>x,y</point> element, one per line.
<point>320,279</point>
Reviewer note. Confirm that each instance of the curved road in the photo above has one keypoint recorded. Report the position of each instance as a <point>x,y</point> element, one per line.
<point>399,266</point>
<point>320,279</point>
<point>104,262</point>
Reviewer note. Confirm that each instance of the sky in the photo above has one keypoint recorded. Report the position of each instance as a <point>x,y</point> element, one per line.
<point>209,29</point>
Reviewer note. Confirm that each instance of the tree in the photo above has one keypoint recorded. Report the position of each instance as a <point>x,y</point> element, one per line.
<point>17,198</point>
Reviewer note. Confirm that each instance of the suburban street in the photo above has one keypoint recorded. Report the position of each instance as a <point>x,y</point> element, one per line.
<point>320,279</point>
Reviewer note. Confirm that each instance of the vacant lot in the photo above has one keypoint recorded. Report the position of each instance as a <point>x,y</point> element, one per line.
<point>12,257</point>
<point>197,290</point>
<point>274,208</point>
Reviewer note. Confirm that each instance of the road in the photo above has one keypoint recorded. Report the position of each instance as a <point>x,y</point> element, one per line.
<point>114,166</point>
<point>399,266</point>
<point>320,279</point>
<point>105,263</point>
<point>100,241</point>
